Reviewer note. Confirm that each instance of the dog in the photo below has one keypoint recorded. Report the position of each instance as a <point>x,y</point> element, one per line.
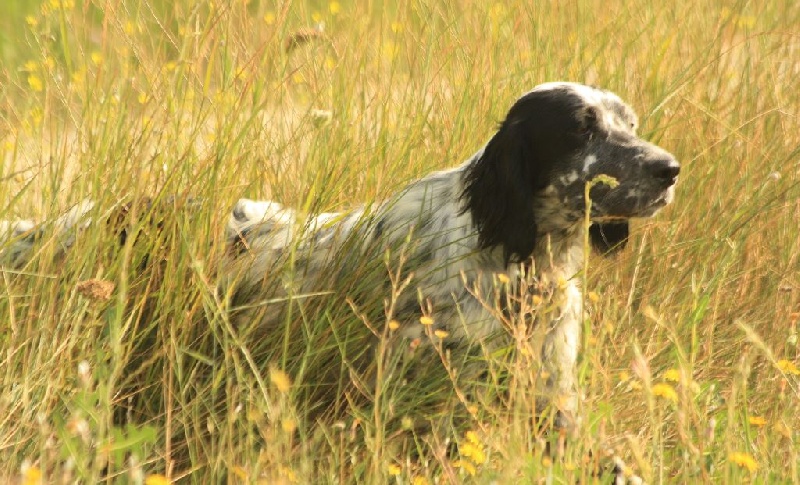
<point>515,210</point>
<point>516,207</point>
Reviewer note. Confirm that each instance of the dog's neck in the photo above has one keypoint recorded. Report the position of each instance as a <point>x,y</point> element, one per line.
<point>560,235</point>
<point>561,249</point>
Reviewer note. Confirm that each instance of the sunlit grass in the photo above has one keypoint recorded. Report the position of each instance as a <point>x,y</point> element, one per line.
<point>690,370</point>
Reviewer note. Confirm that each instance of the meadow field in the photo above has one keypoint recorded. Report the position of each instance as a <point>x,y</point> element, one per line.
<point>120,363</point>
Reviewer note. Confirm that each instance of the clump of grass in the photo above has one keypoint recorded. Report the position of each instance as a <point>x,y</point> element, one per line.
<point>690,366</point>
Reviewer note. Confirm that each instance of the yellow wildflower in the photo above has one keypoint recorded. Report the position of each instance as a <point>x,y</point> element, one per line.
<point>35,83</point>
<point>666,391</point>
<point>472,437</point>
<point>788,367</point>
<point>393,324</point>
<point>746,21</point>
<point>394,469</point>
<point>466,466</point>
<point>97,58</point>
<point>239,472</point>
<point>473,452</point>
<point>280,379</point>
<point>673,375</point>
<point>77,78</point>
<point>289,474</point>
<point>593,297</point>
<point>503,278</point>
<point>441,333</point>
<point>289,425</point>
<point>31,20</point>
<point>757,421</point>
<point>426,320</point>
<point>497,10</point>
<point>31,475</point>
<point>390,50</point>
<point>269,18</point>
<point>744,460</point>
<point>335,7</point>
<point>156,480</point>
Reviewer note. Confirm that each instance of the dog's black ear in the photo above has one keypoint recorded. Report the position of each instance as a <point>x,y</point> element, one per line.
<point>541,129</point>
<point>609,237</point>
<point>499,190</point>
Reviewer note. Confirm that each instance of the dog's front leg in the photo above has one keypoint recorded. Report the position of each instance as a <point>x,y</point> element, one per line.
<point>560,355</point>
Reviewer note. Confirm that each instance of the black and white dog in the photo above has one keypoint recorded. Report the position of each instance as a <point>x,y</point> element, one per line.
<point>519,201</point>
<point>515,208</point>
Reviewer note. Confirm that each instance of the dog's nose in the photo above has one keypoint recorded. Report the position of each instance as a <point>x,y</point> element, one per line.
<point>666,169</point>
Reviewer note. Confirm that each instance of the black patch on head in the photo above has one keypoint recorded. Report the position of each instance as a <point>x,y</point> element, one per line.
<point>541,129</point>
<point>609,237</point>
<point>239,213</point>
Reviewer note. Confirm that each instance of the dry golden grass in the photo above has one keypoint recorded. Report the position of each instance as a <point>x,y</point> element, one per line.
<point>690,365</point>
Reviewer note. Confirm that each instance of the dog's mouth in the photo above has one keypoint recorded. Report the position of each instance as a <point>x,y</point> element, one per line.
<point>616,209</point>
<point>664,199</point>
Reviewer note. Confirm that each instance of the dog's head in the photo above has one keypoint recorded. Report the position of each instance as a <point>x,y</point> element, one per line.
<point>531,177</point>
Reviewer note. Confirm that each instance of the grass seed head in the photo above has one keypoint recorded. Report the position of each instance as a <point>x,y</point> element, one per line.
<point>280,380</point>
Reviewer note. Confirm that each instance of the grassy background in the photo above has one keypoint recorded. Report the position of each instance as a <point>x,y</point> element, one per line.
<point>690,367</point>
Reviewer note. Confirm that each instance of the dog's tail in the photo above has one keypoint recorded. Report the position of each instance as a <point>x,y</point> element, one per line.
<point>17,238</point>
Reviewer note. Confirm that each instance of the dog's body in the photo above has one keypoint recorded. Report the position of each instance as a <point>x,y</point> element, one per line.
<point>514,208</point>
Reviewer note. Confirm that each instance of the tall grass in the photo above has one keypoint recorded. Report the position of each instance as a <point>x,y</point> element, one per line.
<point>690,370</point>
